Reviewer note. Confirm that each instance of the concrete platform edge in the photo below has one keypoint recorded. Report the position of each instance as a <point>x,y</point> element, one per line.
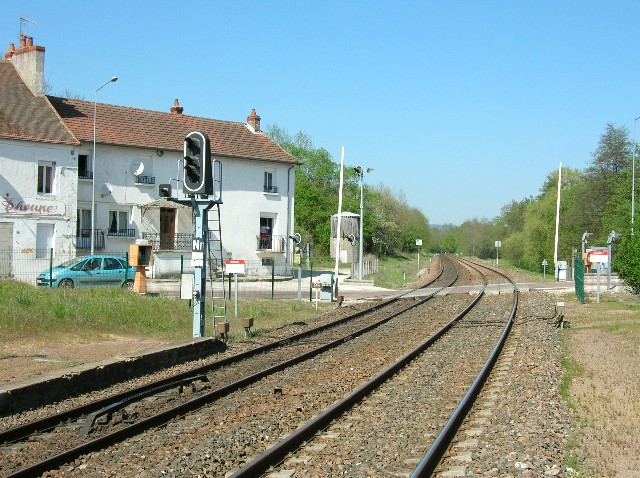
<point>23,395</point>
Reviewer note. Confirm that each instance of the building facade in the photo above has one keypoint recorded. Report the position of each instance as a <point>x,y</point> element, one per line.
<point>55,174</point>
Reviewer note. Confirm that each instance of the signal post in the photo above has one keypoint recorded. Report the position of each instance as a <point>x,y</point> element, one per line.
<point>200,194</point>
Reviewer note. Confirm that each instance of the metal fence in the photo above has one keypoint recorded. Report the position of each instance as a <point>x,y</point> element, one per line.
<point>262,279</point>
<point>578,278</point>
<point>27,265</point>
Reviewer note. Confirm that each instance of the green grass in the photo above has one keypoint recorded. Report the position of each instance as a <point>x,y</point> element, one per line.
<point>397,271</point>
<point>93,314</point>
<point>572,371</point>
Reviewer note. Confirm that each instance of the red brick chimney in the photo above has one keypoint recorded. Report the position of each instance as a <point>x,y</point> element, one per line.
<point>28,61</point>
<point>253,120</point>
<point>176,109</point>
<point>10,51</point>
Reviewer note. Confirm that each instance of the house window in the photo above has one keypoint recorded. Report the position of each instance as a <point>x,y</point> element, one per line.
<point>118,221</point>
<point>83,229</point>
<point>84,167</point>
<point>44,240</point>
<point>267,261</point>
<point>46,175</point>
<point>269,186</point>
<point>83,225</point>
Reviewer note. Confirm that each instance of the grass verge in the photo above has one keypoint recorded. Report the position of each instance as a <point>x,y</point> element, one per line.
<point>93,314</point>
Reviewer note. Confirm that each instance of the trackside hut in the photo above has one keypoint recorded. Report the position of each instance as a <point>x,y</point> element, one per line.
<point>136,150</point>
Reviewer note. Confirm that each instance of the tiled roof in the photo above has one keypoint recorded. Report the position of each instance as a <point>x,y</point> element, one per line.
<point>25,116</point>
<point>125,126</point>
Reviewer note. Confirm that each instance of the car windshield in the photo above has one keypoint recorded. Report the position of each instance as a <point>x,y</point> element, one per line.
<point>68,263</point>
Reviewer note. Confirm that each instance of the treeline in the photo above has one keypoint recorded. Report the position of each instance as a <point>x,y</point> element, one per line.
<point>390,225</point>
<point>596,200</point>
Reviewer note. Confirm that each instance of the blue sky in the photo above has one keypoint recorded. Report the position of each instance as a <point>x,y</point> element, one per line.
<point>478,100</point>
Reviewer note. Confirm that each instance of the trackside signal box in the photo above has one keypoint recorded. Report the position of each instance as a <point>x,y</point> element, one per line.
<point>140,256</point>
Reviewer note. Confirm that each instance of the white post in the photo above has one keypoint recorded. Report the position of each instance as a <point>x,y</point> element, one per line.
<point>555,249</point>
<point>633,177</point>
<point>339,217</point>
<point>93,165</point>
<point>235,296</point>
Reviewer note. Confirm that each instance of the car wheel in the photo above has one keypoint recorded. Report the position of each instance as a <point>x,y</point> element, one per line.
<point>128,285</point>
<point>66,284</point>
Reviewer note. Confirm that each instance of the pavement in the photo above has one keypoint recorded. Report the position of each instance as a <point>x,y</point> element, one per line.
<point>350,289</point>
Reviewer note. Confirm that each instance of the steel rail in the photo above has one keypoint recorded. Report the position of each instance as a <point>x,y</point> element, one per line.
<point>280,450</point>
<point>46,423</point>
<point>434,454</point>
<point>196,403</point>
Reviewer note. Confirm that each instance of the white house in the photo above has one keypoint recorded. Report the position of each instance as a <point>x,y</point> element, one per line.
<point>48,183</point>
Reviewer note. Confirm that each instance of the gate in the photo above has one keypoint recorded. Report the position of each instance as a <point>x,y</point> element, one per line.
<point>579,278</point>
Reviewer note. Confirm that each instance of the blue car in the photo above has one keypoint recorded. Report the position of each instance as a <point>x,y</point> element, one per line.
<point>89,271</point>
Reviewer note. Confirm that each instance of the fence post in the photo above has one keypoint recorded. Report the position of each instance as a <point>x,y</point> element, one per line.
<point>578,278</point>
<point>126,269</point>
<point>51,267</point>
<point>311,281</point>
<point>273,278</point>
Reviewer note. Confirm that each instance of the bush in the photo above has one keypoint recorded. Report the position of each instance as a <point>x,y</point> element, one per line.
<point>627,261</point>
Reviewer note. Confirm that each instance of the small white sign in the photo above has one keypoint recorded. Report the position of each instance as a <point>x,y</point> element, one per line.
<point>186,286</point>
<point>197,259</point>
<point>498,243</point>
<point>235,266</point>
<point>418,242</point>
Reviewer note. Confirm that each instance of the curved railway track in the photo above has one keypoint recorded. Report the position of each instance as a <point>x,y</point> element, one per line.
<point>153,404</point>
<point>344,440</point>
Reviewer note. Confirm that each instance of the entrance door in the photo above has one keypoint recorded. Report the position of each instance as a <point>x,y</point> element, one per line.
<point>167,228</point>
<point>6,248</point>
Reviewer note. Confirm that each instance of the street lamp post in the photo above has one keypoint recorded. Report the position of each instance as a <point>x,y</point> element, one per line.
<point>361,172</point>
<point>93,166</point>
<point>633,176</point>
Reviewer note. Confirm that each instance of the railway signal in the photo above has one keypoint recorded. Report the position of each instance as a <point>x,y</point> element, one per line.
<point>197,178</point>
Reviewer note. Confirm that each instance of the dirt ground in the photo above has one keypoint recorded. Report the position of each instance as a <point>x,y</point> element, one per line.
<point>606,394</point>
<point>21,360</point>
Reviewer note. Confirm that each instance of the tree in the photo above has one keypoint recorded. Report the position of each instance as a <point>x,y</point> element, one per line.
<point>389,222</point>
<point>476,237</point>
<point>613,154</point>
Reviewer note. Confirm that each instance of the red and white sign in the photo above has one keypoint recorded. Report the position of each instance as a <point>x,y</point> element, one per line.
<point>598,255</point>
<point>235,266</point>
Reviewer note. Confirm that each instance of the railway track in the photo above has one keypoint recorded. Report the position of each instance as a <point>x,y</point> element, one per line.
<point>358,436</point>
<point>152,405</point>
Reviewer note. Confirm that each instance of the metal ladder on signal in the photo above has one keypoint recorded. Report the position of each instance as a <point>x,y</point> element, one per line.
<point>215,258</point>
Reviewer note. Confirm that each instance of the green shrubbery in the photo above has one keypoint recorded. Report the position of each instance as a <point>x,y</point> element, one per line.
<point>627,261</point>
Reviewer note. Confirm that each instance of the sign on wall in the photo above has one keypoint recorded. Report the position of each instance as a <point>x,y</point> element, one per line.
<point>32,206</point>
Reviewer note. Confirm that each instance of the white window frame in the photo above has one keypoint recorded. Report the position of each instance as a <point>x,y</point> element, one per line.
<point>122,221</point>
<point>46,178</point>
<point>269,182</point>
<point>83,224</point>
